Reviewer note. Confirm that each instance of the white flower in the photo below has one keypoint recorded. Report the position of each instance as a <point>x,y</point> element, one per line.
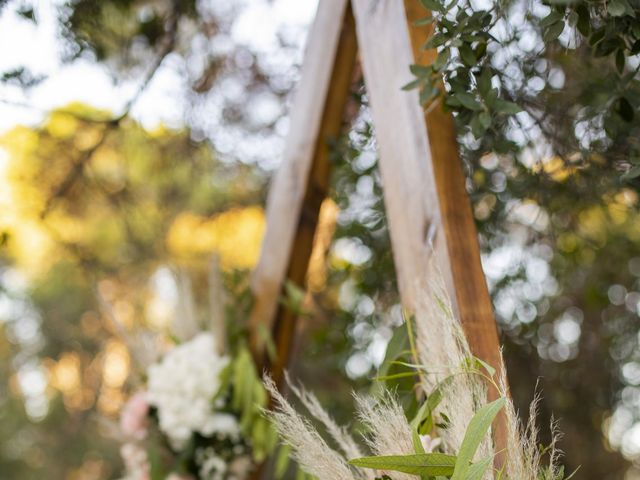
<point>135,461</point>
<point>429,443</point>
<point>211,466</point>
<point>222,423</point>
<point>182,387</point>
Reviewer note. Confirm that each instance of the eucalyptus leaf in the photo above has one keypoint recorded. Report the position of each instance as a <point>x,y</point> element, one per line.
<point>413,84</point>
<point>433,5</point>
<point>424,21</point>
<point>467,54</point>
<point>551,19</point>
<point>468,101</point>
<point>484,82</point>
<point>504,106</point>
<point>633,172</point>
<point>553,31</point>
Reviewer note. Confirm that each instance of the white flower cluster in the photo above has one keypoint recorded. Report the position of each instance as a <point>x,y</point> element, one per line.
<point>182,387</point>
<point>214,467</point>
<point>135,461</point>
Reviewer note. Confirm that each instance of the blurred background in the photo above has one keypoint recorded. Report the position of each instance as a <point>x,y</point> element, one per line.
<point>137,140</point>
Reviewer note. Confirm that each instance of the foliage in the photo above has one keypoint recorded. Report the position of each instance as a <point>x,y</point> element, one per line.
<point>486,71</point>
<point>90,206</point>
<point>462,39</point>
<point>225,439</point>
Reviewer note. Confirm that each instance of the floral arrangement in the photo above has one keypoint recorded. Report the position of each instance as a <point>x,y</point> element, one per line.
<point>428,417</point>
<point>197,413</point>
<point>198,417</point>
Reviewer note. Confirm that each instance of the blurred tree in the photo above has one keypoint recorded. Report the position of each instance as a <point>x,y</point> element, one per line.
<point>91,205</point>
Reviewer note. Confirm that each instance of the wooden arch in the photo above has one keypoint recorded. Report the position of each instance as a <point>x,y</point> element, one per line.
<point>424,186</point>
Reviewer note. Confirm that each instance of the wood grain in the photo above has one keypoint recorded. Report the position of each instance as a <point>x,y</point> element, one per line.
<point>302,180</point>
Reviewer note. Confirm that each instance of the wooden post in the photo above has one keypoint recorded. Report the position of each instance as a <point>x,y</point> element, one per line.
<point>470,287</point>
<point>302,180</point>
<point>424,188</point>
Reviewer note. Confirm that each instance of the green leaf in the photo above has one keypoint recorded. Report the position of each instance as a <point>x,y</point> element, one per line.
<point>293,298</point>
<point>420,70</point>
<point>435,41</point>
<point>551,19</point>
<point>397,345</point>
<point>467,55</point>
<point>395,376</point>
<point>476,431</point>
<point>441,60</point>
<point>480,123</point>
<point>424,21</point>
<point>413,84</point>
<point>427,93</point>
<point>433,5</point>
<point>608,46</point>
<point>503,106</point>
<point>422,423</point>
<point>478,469</point>
<point>553,32</point>
<point>584,20</point>
<point>427,464</point>
<point>633,172</point>
<point>490,370</point>
<point>264,335</point>
<point>484,82</point>
<point>389,375</point>
<point>476,127</point>
<point>156,467</point>
<point>468,101</point>
<point>417,443</point>
<point>282,461</point>
<point>617,8</point>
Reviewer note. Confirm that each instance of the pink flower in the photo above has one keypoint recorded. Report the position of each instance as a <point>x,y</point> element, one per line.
<point>133,418</point>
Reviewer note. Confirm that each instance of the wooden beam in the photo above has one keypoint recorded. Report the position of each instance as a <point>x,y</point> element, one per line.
<point>302,181</point>
<point>410,193</point>
<point>471,293</point>
<point>427,205</point>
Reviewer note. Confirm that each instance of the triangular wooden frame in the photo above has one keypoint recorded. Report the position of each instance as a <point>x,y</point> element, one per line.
<point>424,187</point>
